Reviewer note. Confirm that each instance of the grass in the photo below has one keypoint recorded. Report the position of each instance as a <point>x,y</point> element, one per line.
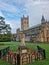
<point>4,63</point>
<point>14,46</point>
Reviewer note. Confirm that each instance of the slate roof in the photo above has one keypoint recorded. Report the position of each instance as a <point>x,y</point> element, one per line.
<point>35,26</point>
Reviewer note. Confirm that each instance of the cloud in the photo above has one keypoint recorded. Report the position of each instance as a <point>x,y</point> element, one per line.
<point>13,10</point>
<point>7,7</point>
<point>14,25</point>
<point>35,10</point>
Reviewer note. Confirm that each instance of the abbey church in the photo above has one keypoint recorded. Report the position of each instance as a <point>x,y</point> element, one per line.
<point>37,33</point>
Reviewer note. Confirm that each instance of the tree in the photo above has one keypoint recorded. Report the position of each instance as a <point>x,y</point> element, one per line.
<point>5,30</point>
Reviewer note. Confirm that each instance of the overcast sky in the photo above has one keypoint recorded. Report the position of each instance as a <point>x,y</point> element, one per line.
<point>13,10</point>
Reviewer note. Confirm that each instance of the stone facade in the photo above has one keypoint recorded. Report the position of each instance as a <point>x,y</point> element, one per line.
<point>18,35</point>
<point>24,23</point>
<point>24,26</point>
<point>14,36</point>
<point>44,32</point>
<point>38,33</point>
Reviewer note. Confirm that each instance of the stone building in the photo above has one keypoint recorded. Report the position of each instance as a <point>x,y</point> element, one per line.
<point>24,22</point>
<point>24,26</point>
<point>18,35</point>
<point>14,36</point>
<point>37,33</point>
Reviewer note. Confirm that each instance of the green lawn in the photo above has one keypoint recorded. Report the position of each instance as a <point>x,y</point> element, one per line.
<point>14,46</point>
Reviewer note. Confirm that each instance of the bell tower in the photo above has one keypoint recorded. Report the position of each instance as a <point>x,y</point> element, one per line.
<point>24,23</point>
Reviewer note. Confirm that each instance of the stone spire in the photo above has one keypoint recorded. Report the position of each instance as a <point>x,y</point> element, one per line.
<point>43,19</point>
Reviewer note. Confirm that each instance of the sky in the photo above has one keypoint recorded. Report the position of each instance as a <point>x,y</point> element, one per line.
<point>13,10</point>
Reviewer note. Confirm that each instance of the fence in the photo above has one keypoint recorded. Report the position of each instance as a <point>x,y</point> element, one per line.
<point>4,51</point>
<point>25,58</point>
<point>16,59</point>
<point>42,52</point>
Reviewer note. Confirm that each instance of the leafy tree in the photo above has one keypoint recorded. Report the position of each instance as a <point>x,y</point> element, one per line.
<point>5,30</point>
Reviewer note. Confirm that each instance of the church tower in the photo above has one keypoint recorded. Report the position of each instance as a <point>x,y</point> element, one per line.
<point>24,22</point>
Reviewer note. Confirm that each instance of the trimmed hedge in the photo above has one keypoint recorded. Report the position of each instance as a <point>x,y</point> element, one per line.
<point>5,37</point>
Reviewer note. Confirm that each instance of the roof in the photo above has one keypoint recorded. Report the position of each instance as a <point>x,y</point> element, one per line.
<point>35,26</point>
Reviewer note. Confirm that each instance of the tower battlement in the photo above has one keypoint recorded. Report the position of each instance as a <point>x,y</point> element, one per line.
<point>24,22</point>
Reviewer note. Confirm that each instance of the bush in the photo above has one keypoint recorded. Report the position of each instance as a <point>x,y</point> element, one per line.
<point>5,37</point>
